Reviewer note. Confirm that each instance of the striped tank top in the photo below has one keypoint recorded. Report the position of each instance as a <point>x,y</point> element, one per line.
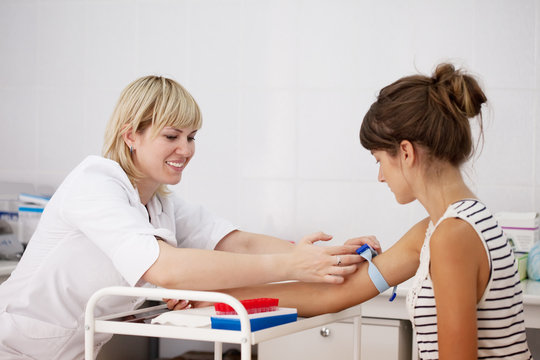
<point>501,328</point>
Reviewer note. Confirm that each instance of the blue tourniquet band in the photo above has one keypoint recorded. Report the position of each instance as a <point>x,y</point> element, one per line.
<point>375,275</point>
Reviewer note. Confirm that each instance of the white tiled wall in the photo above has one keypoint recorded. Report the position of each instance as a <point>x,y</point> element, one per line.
<point>283,86</point>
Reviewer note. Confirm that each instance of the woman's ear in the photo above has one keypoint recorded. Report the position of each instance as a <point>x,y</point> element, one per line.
<point>128,135</point>
<point>407,152</point>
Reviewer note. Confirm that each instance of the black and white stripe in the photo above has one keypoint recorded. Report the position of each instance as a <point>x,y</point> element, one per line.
<point>501,328</point>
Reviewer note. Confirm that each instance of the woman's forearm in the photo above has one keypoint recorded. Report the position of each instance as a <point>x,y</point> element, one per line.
<point>251,243</point>
<point>197,269</point>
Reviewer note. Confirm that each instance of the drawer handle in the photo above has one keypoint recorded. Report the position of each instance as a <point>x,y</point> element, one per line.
<point>325,332</point>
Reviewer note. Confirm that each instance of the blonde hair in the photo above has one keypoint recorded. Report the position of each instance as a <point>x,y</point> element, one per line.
<point>150,101</point>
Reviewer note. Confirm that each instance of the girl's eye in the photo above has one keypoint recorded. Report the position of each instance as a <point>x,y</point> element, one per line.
<point>171,137</point>
<point>191,138</point>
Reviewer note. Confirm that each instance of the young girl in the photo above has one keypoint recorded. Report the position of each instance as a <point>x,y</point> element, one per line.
<point>466,298</point>
<point>113,222</point>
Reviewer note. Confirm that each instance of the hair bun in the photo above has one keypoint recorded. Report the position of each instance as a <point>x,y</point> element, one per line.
<point>462,90</point>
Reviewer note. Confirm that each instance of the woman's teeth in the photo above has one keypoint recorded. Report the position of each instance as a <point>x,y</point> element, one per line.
<point>175,164</point>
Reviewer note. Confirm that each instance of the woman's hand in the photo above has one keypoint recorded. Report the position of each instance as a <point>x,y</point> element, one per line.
<point>174,304</point>
<point>328,264</point>
<point>370,240</point>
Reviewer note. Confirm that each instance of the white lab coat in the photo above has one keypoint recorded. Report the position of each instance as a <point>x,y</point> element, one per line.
<point>94,233</point>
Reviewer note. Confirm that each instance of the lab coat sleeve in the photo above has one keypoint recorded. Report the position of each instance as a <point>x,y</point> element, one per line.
<point>197,227</point>
<point>105,208</point>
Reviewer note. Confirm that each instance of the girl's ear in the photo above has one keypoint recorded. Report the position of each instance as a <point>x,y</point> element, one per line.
<point>407,152</point>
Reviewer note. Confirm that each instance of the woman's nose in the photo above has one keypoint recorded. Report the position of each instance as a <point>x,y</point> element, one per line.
<point>184,148</point>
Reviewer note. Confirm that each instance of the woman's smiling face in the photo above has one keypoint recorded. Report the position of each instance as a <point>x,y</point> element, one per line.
<point>163,158</point>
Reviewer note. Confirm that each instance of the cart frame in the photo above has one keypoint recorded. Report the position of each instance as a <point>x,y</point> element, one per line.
<point>245,337</point>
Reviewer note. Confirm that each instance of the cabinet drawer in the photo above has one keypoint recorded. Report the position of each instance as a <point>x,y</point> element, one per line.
<point>380,339</point>
<point>332,341</point>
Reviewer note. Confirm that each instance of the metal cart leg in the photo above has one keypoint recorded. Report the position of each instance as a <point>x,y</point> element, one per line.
<point>357,334</point>
<point>218,350</point>
<point>246,350</point>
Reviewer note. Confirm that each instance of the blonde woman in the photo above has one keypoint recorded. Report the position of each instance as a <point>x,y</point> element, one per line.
<point>113,222</point>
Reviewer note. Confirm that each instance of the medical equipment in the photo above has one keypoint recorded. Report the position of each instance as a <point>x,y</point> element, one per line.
<point>375,275</point>
<point>113,323</point>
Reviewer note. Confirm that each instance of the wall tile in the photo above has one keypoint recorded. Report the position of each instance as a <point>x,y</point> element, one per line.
<point>507,198</point>
<point>18,44</point>
<point>328,141</point>
<point>270,41</point>
<point>110,52</point>
<point>505,42</point>
<point>349,209</point>
<point>268,207</point>
<point>61,43</point>
<point>60,133</point>
<point>537,39</point>
<point>537,199</point>
<point>328,48</point>
<point>384,41</point>
<point>267,134</point>
<point>18,135</point>
<point>99,104</point>
<point>536,120</point>
<point>213,51</point>
<point>507,157</point>
<point>162,40</point>
<point>438,38</point>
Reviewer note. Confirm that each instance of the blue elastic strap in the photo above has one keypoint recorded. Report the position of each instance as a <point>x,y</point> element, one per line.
<point>376,277</point>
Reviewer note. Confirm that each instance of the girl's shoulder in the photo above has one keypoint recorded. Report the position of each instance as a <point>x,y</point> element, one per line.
<point>458,234</point>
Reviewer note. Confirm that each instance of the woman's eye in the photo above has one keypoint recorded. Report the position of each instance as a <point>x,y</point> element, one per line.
<point>171,137</point>
<point>191,138</point>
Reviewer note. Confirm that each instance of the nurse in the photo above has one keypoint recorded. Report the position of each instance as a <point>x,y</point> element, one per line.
<point>113,222</point>
<point>465,301</point>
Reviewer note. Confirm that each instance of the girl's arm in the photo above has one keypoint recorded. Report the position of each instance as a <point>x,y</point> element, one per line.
<point>459,270</point>
<point>397,264</point>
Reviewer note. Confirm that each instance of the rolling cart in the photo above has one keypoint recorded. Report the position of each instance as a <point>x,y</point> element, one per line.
<point>114,323</point>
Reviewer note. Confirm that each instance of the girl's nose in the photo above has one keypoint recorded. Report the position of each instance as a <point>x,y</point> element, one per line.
<point>380,177</point>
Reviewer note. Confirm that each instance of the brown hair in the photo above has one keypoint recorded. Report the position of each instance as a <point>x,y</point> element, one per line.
<point>432,112</point>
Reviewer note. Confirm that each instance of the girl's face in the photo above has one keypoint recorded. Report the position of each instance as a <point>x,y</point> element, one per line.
<point>163,158</point>
<point>391,173</point>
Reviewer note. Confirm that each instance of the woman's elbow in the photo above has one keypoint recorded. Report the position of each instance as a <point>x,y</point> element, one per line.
<point>157,277</point>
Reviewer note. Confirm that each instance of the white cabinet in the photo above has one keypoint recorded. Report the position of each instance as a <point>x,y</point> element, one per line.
<point>333,341</point>
<point>380,339</point>
<point>386,339</point>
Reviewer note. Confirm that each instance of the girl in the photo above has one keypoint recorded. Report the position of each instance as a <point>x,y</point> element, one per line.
<point>113,222</point>
<point>466,298</point>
